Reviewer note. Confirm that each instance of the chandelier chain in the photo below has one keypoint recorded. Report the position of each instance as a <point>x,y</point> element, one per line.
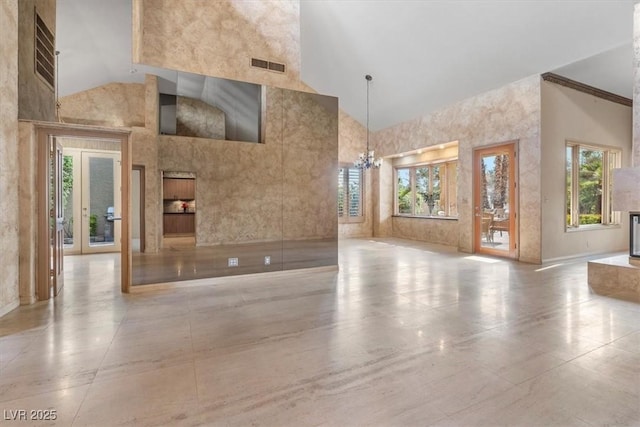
<point>367,159</point>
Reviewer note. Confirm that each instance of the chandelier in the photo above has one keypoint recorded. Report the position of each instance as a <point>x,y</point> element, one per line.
<point>367,160</point>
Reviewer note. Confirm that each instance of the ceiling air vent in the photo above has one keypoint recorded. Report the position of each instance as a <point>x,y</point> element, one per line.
<point>44,52</point>
<point>267,65</point>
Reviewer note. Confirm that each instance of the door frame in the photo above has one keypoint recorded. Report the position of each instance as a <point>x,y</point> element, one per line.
<point>56,216</point>
<point>511,148</point>
<point>45,131</point>
<point>142,171</point>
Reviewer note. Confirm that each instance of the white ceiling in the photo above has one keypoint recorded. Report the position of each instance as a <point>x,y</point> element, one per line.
<point>422,55</point>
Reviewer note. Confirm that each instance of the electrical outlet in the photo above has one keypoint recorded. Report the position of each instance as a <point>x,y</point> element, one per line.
<point>233,262</point>
<point>267,260</point>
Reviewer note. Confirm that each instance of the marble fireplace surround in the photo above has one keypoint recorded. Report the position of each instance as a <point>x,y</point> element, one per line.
<point>619,276</point>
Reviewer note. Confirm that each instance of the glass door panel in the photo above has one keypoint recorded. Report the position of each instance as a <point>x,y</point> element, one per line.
<point>71,194</point>
<point>100,202</point>
<point>56,217</point>
<point>494,201</point>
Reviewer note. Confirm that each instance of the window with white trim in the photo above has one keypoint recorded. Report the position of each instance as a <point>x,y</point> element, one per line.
<point>588,185</point>
<point>427,190</point>
<point>350,195</point>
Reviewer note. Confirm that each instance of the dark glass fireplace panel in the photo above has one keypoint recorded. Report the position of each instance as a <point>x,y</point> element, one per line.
<point>634,245</point>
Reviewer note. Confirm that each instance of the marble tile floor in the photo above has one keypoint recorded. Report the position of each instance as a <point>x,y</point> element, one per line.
<point>405,334</point>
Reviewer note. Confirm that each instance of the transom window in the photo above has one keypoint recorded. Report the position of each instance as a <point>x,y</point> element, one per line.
<point>350,195</point>
<point>426,190</point>
<point>588,185</point>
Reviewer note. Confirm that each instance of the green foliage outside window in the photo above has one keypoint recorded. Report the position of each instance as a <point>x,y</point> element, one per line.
<point>586,169</point>
<point>590,183</point>
<point>67,190</point>
<point>93,225</point>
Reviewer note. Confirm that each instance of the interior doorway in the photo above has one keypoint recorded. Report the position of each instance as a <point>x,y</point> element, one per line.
<point>52,140</point>
<point>495,200</point>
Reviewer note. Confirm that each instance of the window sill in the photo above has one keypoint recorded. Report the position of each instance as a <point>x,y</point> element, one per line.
<point>447,218</point>
<point>591,227</point>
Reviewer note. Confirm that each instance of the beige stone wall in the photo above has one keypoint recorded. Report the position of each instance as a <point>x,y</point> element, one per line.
<point>28,222</point>
<point>11,209</point>
<point>144,152</point>
<point>310,165</point>
<point>219,38</point>
<point>247,192</point>
<point>569,115</point>
<point>179,35</point>
<point>198,119</point>
<point>432,230</point>
<point>636,84</point>
<point>36,99</point>
<point>113,104</point>
<point>238,187</point>
<point>505,114</point>
<point>383,201</point>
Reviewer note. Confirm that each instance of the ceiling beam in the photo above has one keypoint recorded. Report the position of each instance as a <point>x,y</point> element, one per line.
<point>581,87</point>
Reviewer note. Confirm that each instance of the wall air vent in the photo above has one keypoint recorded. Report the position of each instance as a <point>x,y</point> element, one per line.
<point>267,65</point>
<point>44,52</point>
<point>260,63</point>
<point>276,67</point>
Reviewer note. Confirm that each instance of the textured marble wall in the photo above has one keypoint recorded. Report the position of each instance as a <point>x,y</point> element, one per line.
<point>267,30</point>
<point>9,155</point>
<point>28,222</point>
<point>636,84</point>
<point>383,202</point>
<point>238,184</point>
<point>440,231</point>
<point>144,152</point>
<point>198,119</point>
<point>113,104</point>
<point>36,98</point>
<point>505,114</point>
<point>626,195</point>
<point>284,188</point>
<point>310,165</point>
<point>219,38</point>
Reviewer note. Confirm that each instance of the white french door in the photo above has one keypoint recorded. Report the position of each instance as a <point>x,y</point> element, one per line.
<point>93,203</point>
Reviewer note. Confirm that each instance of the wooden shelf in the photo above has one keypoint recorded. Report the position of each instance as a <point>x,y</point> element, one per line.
<point>178,188</point>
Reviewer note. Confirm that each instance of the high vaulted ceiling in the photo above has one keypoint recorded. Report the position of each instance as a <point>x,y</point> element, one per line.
<point>423,55</point>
